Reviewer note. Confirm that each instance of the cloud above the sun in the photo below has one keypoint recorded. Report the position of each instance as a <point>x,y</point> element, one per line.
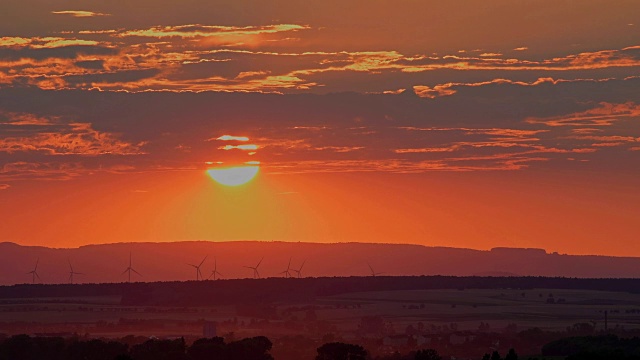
<point>123,91</point>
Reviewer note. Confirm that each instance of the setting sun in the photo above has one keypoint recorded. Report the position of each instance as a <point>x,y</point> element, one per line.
<point>234,176</point>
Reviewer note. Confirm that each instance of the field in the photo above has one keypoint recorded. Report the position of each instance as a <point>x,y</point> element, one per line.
<point>430,310</point>
<point>467,308</point>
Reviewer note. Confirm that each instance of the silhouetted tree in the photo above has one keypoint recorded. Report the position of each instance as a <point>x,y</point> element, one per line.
<point>428,354</point>
<point>495,356</point>
<point>159,350</point>
<point>95,350</point>
<point>255,348</point>
<point>511,355</point>
<point>341,351</point>
<point>486,357</point>
<point>24,347</point>
<point>207,349</point>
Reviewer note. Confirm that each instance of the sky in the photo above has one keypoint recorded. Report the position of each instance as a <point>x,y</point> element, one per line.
<point>443,123</point>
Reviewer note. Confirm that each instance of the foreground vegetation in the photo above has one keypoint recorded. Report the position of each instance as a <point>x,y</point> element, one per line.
<point>24,347</point>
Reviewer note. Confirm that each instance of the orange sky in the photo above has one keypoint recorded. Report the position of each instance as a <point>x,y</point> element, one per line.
<point>465,124</point>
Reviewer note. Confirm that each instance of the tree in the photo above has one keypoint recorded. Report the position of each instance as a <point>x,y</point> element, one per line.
<point>427,354</point>
<point>255,348</point>
<point>205,349</point>
<point>511,355</point>
<point>495,356</point>
<point>341,351</point>
<point>95,350</point>
<point>159,350</point>
<point>486,357</point>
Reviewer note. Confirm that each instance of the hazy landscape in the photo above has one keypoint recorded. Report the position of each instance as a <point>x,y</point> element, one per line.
<point>170,261</point>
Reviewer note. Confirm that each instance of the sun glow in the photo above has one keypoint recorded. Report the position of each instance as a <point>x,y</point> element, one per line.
<point>234,176</point>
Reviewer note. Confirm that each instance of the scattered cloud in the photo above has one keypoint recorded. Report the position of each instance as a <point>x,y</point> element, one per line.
<point>79,13</point>
<point>224,34</point>
<point>239,147</point>
<point>605,114</point>
<point>232,138</point>
<point>74,138</point>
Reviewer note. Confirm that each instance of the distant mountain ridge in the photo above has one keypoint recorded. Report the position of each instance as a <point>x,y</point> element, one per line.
<point>168,261</point>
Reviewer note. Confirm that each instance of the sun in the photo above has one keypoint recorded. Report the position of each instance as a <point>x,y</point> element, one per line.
<point>234,176</point>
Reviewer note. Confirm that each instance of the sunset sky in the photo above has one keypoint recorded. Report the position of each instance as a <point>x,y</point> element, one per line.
<point>462,123</point>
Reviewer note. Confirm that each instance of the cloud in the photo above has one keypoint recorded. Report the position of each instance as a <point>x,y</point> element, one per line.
<point>231,138</point>
<point>225,34</point>
<point>4,186</point>
<point>452,88</point>
<point>486,126</point>
<point>242,58</point>
<point>63,139</point>
<point>79,13</point>
<point>605,114</point>
<point>239,147</point>
<point>21,170</point>
<point>49,42</point>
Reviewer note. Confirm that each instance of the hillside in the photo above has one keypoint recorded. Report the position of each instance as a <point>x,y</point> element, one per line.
<point>169,261</point>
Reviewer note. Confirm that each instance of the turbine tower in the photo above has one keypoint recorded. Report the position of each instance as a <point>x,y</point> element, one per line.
<point>299,271</point>
<point>214,272</point>
<point>197,267</point>
<point>256,274</point>
<point>373,273</point>
<point>129,269</point>
<point>71,273</point>
<point>34,272</point>
<point>286,272</point>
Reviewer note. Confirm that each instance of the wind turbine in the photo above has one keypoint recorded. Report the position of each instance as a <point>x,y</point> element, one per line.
<point>71,273</point>
<point>256,274</point>
<point>373,273</point>
<point>215,269</point>
<point>299,271</point>
<point>129,269</point>
<point>197,267</point>
<point>286,272</point>
<point>34,272</point>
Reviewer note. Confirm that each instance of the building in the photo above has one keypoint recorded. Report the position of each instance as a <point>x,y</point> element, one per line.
<point>210,329</point>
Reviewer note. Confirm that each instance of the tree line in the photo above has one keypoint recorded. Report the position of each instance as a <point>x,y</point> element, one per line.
<point>248,291</point>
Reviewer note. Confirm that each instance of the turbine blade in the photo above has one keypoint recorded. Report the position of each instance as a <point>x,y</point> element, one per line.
<point>70,267</point>
<point>260,262</point>
<point>202,262</point>
<point>124,272</point>
<point>301,266</point>
<point>135,271</point>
